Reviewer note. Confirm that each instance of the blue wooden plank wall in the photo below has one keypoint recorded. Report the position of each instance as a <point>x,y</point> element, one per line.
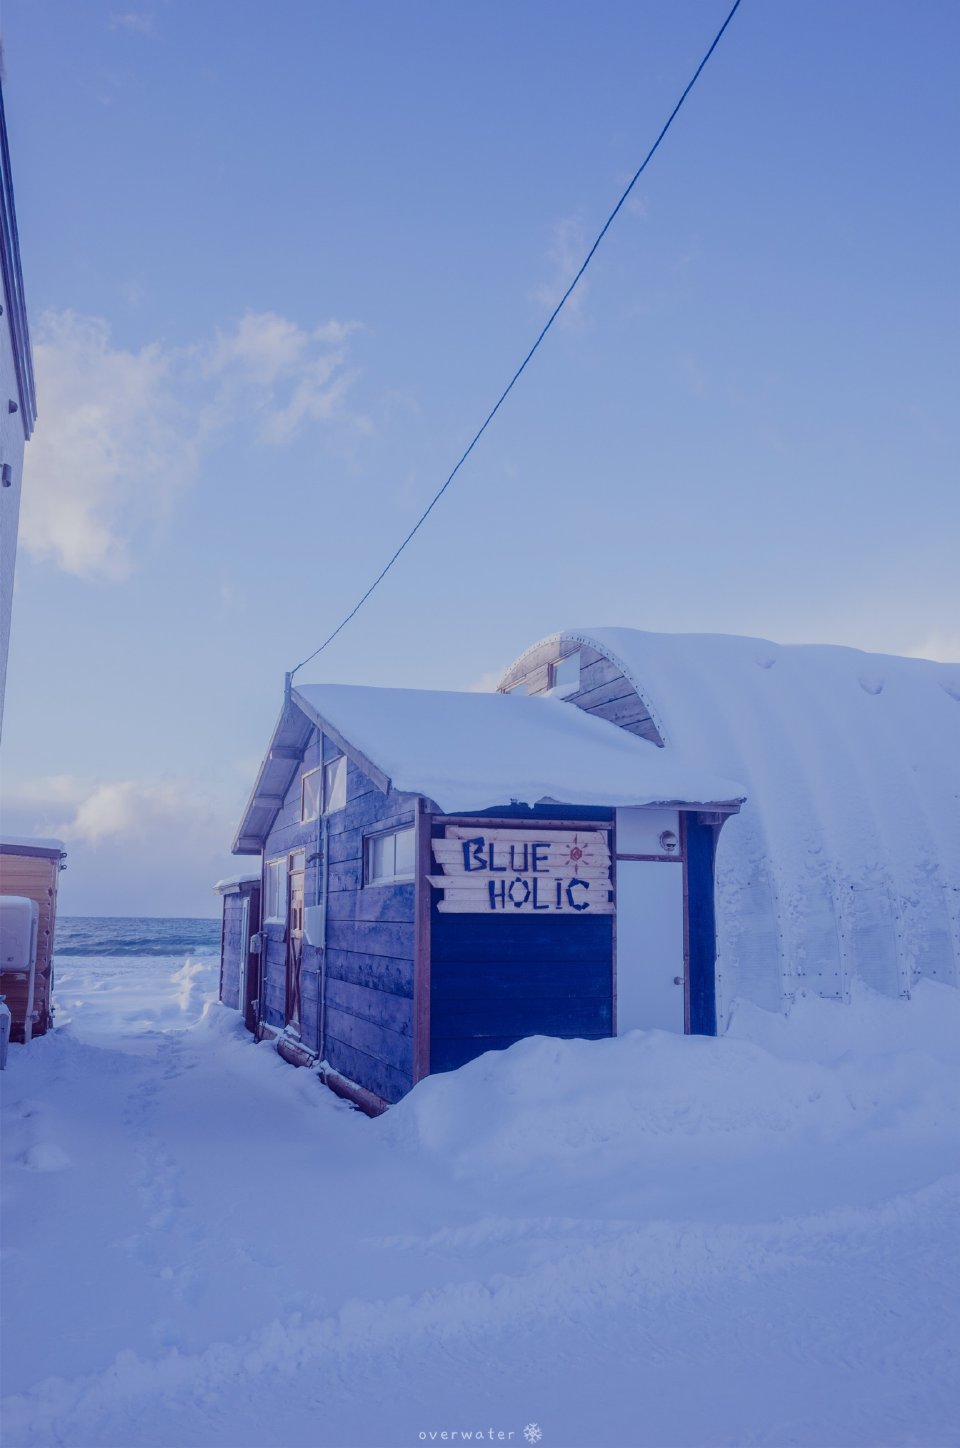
<point>702,929</point>
<point>230,965</point>
<point>370,949</point>
<point>369,956</point>
<point>495,979</point>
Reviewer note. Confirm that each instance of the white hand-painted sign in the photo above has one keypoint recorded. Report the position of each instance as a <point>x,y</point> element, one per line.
<point>522,871</point>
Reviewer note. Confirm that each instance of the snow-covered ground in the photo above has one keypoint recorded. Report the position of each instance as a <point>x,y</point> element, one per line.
<point>648,1241</point>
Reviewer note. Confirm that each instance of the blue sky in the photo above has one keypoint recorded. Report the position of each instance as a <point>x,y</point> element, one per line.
<point>280,263</point>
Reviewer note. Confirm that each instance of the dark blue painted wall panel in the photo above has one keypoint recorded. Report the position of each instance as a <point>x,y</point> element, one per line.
<point>702,938</point>
<point>498,978</point>
<point>450,1052</point>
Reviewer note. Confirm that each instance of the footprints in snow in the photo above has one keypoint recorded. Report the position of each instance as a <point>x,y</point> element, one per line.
<point>157,1179</point>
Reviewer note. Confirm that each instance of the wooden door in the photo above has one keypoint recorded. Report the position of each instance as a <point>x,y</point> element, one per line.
<point>295,939</point>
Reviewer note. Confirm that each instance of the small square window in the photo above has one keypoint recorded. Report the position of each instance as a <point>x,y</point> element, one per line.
<point>390,858</point>
<point>275,904</point>
<point>310,795</point>
<point>335,785</point>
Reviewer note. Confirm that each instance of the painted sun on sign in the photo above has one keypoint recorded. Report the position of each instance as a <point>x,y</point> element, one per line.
<point>578,857</point>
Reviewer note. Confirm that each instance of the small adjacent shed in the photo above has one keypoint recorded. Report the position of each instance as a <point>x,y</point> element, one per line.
<point>444,874</point>
<point>239,939</point>
<point>844,863</point>
<point>31,868</point>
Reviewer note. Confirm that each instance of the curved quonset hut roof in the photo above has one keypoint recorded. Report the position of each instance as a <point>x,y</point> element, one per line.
<point>844,862</point>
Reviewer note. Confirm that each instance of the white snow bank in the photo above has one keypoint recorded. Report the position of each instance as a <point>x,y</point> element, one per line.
<point>203,1246</point>
<point>827,1072</point>
<point>109,996</point>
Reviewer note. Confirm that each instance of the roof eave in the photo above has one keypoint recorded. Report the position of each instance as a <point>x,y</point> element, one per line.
<point>283,765</point>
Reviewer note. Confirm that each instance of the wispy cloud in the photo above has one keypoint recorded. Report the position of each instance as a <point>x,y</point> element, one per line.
<point>942,644</point>
<point>296,375</point>
<point>122,430</point>
<point>134,846</point>
<point>92,811</point>
<point>568,246</point>
<point>135,22</point>
<point>112,440</point>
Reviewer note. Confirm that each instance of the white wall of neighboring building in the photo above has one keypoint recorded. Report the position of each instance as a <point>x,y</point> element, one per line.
<point>11,453</point>
<point>18,408</point>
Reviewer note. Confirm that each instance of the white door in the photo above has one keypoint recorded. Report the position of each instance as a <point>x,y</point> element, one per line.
<point>649,945</point>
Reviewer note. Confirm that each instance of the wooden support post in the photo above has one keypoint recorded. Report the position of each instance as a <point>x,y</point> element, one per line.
<point>421,938</point>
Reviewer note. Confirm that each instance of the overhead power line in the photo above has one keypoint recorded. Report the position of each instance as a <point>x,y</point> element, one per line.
<point>523,365</point>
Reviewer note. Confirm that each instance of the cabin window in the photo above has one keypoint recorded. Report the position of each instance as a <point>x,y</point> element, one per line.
<point>566,675</point>
<point>335,785</point>
<point>390,858</point>
<point>521,688</point>
<point>275,892</point>
<point>310,795</point>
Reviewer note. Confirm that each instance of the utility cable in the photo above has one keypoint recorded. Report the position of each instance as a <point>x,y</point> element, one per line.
<point>523,365</point>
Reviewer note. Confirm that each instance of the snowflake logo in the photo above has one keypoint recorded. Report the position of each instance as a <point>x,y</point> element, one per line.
<point>533,1432</point>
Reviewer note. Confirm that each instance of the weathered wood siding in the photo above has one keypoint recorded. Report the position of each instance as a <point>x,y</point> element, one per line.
<point>36,877</point>
<point>370,948</point>
<point>603,690</point>
<point>231,949</point>
<point>368,1034</point>
<point>235,947</point>
<point>495,979</point>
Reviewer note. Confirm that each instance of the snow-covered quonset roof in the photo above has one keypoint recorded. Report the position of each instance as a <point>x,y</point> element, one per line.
<point>38,843</point>
<point>476,751</point>
<point>845,861</point>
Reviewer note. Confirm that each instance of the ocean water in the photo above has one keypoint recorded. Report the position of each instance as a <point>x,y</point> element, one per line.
<point>127,935</point>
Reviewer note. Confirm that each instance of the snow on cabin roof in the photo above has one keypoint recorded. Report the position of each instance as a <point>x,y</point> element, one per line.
<point>233,882</point>
<point>475,751</point>
<point>845,860</point>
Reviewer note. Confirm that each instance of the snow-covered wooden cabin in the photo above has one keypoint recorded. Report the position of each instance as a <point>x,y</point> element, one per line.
<point>844,863</point>
<point>239,961</point>
<point>443,874</point>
